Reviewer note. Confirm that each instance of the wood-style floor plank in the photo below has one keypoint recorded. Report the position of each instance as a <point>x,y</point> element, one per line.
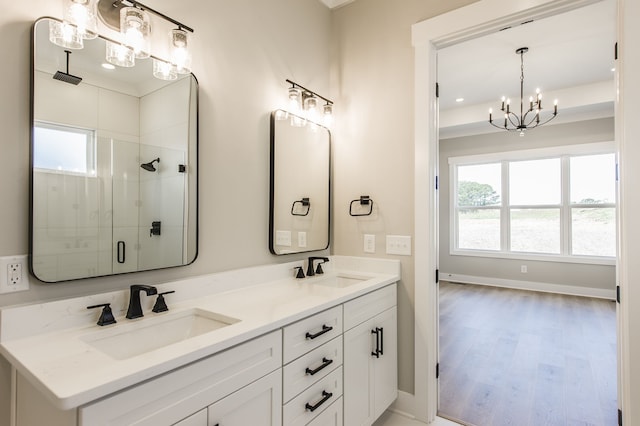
<point>513,357</point>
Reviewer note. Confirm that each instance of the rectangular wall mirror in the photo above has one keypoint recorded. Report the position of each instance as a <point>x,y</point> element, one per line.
<point>114,164</point>
<point>300,185</point>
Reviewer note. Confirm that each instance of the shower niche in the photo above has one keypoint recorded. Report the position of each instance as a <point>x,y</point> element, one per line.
<point>114,164</point>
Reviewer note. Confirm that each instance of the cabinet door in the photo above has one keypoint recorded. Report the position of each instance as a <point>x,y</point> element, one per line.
<point>259,404</point>
<point>385,370</point>
<point>359,343</point>
<point>197,419</point>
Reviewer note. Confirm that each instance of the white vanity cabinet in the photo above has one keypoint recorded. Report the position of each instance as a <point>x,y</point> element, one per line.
<point>197,419</point>
<point>370,356</point>
<point>174,396</point>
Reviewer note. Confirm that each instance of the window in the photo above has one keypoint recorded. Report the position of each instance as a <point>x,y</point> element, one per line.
<point>64,148</point>
<point>556,203</point>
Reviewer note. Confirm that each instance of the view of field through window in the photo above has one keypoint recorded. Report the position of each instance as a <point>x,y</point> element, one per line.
<point>537,211</point>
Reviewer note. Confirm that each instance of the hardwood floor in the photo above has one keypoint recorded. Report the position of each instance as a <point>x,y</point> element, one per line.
<point>512,357</point>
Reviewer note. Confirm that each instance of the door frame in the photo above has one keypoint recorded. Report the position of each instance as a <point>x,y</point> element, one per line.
<point>475,20</point>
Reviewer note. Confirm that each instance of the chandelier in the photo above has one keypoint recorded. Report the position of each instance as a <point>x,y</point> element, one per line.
<point>528,119</point>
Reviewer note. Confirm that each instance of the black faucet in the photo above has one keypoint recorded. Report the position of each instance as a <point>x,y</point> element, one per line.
<point>135,310</point>
<point>310,271</point>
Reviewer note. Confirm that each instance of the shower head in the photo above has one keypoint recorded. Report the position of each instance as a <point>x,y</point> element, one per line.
<point>65,76</point>
<point>149,166</point>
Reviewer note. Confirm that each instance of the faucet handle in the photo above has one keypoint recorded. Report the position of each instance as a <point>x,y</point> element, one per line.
<point>300,273</point>
<point>106,316</point>
<point>161,305</point>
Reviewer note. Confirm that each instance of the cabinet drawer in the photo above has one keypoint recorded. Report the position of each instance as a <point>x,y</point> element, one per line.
<point>319,363</point>
<point>332,416</point>
<point>313,401</point>
<point>173,396</point>
<point>361,309</point>
<point>311,332</point>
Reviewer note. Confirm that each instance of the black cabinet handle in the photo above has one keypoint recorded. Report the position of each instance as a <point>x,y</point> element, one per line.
<point>325,363</point>
<point>381,340</point>
<point>121,252</point>
<point>325,329</point>
<point>377,351</point>
<point>325,397</point>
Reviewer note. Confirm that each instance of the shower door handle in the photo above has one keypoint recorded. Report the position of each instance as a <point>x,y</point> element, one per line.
<point>121,252</point>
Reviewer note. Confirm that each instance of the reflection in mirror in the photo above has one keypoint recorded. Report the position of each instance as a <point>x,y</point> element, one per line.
<point>300,185</point>
<point>114,164</point>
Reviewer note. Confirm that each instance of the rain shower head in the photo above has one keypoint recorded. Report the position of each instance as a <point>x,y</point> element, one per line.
<point>65,76</point>
<point>149,166</point>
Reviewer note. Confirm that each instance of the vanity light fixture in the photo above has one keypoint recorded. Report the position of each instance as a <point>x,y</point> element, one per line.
<point>519,123</point>
<point>300,96</point>
<point>132,19</point>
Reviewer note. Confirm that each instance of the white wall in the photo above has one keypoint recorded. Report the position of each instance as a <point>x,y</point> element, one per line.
<point>585,276</point>
<point>243,52</point>
<point>372,84</point>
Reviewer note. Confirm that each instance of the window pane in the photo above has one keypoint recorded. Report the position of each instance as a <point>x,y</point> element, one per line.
<point>479,229</point>
<point>479,185</point>
<point>593,232</point>
<point>64,149</point>
<point>535,230</point>
<point>593,179</point>
<point>533,183</point>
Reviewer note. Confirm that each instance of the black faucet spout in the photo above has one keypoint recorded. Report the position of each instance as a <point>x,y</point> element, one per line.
<point>310,269</point>
<point>135,308</point>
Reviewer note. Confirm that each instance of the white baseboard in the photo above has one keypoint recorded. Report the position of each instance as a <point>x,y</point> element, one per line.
<point>598,293</point>
<point>404,405</point>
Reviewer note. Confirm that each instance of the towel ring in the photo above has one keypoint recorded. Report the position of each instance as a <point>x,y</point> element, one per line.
<point>364,200</point>
<point>304,203</point>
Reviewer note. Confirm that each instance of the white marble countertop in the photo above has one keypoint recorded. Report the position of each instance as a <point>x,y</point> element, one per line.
<point>48,343</point>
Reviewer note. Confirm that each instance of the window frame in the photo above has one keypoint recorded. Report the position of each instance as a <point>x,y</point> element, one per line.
<point>565,207</point>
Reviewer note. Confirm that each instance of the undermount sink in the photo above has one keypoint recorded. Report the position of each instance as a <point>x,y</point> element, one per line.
<point>153,333</point>
<point>341,281</point>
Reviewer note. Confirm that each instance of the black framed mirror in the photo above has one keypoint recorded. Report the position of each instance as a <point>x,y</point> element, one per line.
<point>300,202</point>
<point>114,166</point>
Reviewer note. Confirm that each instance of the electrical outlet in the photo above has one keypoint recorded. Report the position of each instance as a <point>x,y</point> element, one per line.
<point>302,239</point>
<point>369,243</point>
<point>14,275</point>
<point>523,269</point>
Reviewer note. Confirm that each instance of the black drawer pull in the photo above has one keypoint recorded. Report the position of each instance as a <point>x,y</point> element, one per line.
<point>121,252</point>
<point>381,340</point>
<point>325,363</point>
<point>325,329</point>
<point>377,351</point>
<point>325,397</point>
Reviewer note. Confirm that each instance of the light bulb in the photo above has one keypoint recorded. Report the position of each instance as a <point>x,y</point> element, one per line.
<point>135,25</point>
<point>180,54</point>
<point>82,14</point>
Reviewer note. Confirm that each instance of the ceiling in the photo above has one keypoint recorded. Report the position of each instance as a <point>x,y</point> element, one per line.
<point>570,58</point>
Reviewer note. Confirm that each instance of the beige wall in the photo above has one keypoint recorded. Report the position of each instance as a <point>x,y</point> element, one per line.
<point>372,84</point>
<point>572,274</point>
<point>243,52</point>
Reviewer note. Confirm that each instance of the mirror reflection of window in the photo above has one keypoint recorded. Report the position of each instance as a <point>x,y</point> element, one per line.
<point>64,148</point>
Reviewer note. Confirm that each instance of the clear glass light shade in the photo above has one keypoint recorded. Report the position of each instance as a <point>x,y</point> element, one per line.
<point>164,70</point>
<point>295,96</point>
<point>327,116</point>
<point>135,26</point>
<point>179,40</point>
<point>311,108</point>
<point>65,35</point>
<point>82,14</point>
<point>120,55</point>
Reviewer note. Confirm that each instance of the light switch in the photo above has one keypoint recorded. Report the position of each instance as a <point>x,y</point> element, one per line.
<point>369,243</point>
<point>399,244</point>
